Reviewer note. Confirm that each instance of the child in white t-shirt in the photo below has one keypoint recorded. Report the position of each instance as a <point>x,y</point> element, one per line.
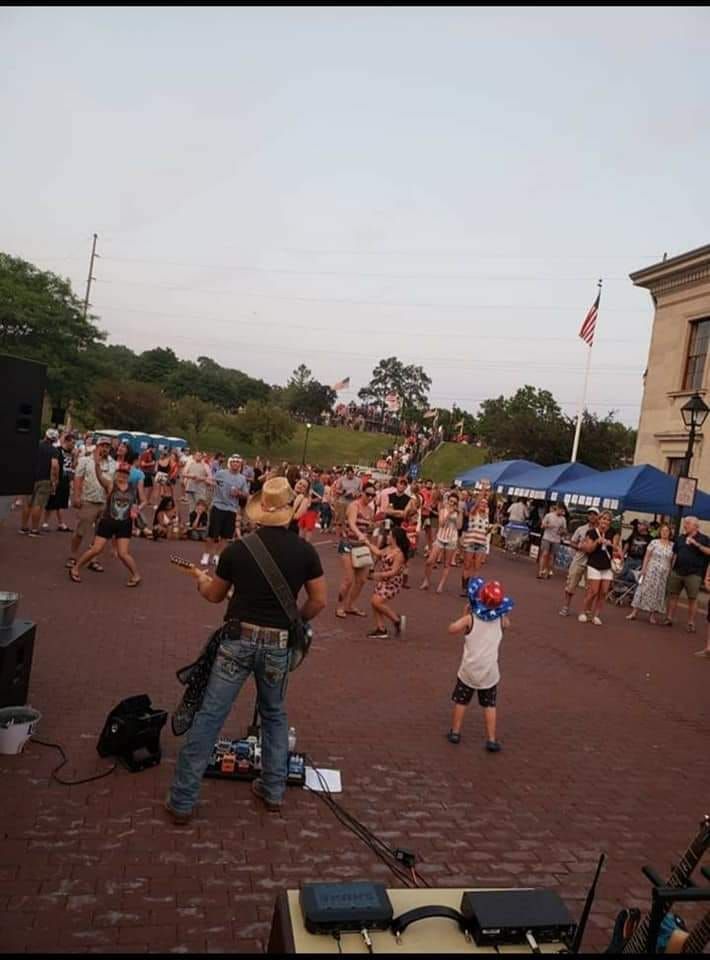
<point>482,624</point>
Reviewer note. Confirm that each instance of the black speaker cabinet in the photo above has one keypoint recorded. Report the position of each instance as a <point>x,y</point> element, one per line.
<point>16,648</point>
<point>22,385</point>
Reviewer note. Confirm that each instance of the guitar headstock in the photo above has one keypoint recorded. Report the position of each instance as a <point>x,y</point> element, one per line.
<point>183,564</point>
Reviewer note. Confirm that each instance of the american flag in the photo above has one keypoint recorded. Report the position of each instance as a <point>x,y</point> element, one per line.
<point>590,322</point>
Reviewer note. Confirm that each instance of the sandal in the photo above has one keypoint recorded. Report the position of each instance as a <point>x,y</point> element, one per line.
<point>74,575</point>
<point>133,582</point>
<point>71,562</point>
<point>356,613</point>
<point>690,628</point>
<point>341,614</point>
<point>95,566</point>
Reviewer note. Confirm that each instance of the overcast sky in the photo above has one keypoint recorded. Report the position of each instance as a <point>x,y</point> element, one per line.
<point>332,186</point>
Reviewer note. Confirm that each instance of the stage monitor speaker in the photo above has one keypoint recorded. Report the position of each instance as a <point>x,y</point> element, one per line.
<point>16,648</point>
<point>22,385</point>
<point>132,733</point>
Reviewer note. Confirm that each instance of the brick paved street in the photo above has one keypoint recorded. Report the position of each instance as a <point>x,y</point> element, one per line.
<point>605,734</point>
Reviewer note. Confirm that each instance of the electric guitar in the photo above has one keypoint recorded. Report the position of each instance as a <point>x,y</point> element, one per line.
<point>630,929</point>
<point>186,566</point>
<point>699,936</point>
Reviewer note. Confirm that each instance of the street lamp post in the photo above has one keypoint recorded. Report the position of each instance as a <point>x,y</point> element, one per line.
<point>694,413</point>
<point>305,444</point>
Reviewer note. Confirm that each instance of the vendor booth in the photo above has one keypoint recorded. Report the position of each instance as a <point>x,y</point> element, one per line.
<point>535,482</point>
<point>495,473</point>
<point>643,488</point>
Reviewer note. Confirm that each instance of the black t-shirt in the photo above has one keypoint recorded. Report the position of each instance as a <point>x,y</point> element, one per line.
<point>637,545</point>
<point>66,465</point>
<point>398,501</point>
<point>689,560</point>
<point>197,521</point>
<point>254,600</point>
<point>600,557</point>
<point>47,453</point>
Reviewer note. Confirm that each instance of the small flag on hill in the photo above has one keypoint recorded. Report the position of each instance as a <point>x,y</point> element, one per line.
<point>590,322</point>
<point>342,384</point>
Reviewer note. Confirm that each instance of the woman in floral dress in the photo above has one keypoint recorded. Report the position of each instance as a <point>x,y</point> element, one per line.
<point>650,594</point>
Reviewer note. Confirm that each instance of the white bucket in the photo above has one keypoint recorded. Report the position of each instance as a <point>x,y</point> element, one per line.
<point>16,726</point>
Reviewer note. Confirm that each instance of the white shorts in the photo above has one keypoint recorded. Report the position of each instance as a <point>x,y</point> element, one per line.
<point>593,574</point>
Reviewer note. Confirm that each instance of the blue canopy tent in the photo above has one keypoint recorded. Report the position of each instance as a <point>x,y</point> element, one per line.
<point>537,481</point>
<point>643,488</point>
<point>495,472</point>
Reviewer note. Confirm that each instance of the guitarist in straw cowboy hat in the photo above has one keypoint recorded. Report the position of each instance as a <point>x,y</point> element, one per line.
<point>254,640</point>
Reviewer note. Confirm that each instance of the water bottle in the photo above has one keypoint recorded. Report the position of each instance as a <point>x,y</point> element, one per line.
<point>291,739</point>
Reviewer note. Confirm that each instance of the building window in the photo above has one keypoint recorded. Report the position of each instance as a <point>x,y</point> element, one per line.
<point>697,350</point>
<point>676,466</point>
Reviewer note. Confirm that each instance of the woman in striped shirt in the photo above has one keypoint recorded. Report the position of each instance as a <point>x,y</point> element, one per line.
<point>474,543</point>
<point>447,535</point>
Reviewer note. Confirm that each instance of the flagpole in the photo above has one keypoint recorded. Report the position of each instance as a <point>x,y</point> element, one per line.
<point>583,403</point>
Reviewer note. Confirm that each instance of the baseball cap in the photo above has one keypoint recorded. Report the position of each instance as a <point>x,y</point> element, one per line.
<point>100,440</point>
<point>235,456</point>
<point>592,510</point>
<point>52,434</point>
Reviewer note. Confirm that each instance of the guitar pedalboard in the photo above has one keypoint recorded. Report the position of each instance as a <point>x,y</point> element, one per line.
<point>241,760</point>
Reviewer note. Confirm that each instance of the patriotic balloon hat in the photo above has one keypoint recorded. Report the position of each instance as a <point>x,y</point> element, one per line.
<point>487,600</point>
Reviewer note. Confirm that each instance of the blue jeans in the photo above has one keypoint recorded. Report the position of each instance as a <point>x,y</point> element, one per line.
<point>235,661</point>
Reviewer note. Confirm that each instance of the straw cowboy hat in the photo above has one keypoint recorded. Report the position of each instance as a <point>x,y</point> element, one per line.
<point>273,506</point>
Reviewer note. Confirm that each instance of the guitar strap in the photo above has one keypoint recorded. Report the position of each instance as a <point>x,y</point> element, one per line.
<point>272,574</point>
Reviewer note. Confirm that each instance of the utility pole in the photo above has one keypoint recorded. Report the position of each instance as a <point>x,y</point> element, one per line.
<point>91,276</point>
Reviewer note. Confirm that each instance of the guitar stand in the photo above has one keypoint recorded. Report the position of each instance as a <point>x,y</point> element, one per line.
<point>663,898</point>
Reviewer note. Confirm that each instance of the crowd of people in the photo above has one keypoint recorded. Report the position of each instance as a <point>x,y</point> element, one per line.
<point>119,493</point>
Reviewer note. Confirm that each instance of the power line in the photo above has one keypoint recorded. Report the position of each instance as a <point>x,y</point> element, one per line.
<point>405,331</point>
<point>374,303</point>
<point>457,362</point>
<point>350,273</point>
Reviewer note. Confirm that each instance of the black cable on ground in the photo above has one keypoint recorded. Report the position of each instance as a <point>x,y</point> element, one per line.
<point>382,851</point>
<point>70,783</point>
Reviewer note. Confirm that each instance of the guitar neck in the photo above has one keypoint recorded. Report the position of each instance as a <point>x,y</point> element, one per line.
<point>678,878</point>
<point>699,936</point>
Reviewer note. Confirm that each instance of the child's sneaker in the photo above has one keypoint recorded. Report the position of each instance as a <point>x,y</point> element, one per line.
<point>492,746</point>
<point>583,618</point>
<point>205,560</point>
<point>401,625</point>
<point>453,737</point>
<point>377,634</point>
<point>597,621</point>
<point>564,612</point>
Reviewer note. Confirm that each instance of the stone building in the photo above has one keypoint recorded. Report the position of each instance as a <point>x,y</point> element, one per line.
<point>678,364</point>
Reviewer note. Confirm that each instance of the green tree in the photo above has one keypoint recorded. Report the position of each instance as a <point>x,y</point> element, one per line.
<point>42,319</point>
<point>410,383</point>
<point>189,417</point>
<point>128,405</point>
<point>156,365</point>
<point>306,397</point>
<point>264,424</point>
<point>604,443</point>
<point>529,425</point>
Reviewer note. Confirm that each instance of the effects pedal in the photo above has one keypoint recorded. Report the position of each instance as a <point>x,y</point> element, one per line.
<point>241,760</point>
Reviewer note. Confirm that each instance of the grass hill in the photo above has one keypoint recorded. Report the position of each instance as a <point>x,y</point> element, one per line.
<point>450,460</point>
<point>327,446</point>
